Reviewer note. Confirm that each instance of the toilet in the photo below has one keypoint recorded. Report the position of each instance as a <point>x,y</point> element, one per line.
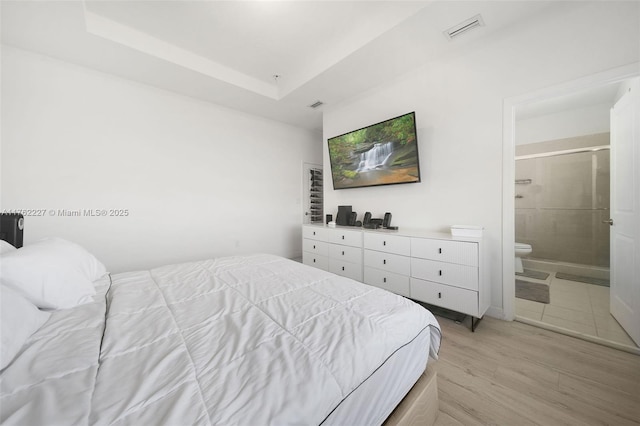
<point>521,250</point>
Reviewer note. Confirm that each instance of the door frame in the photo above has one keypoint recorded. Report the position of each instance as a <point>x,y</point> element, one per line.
<point>614,75</point>
<point>306,167</point>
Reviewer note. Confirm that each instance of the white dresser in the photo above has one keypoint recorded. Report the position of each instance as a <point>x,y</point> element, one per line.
<point>451,273</point>
<point>435,268</point>
<point>337,250</point>
<point>387,262</point>
<point>315,246</point>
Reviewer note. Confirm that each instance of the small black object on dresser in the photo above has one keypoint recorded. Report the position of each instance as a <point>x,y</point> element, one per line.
<point>344,215</point>
<point>367,218</point>
<point>352,218</point>
<point>386,222</point>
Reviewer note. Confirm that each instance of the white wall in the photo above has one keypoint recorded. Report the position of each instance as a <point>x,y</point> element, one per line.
<point>584,121</point>
<point>458,102</point>
<point>197,179</point>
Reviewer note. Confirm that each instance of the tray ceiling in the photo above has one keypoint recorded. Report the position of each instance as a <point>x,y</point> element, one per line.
<point>228,52</point>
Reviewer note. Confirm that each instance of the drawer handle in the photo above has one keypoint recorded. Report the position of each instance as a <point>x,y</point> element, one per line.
<point>384,243</point>
<point>384,280</point>
<point>384,261</point>
<point>439,295</point>
<point>314,246</point>
<point>343,237</point>
<point>314,261</point>
<point>343,252</point>
<point>343,268</point>
<point>314,232</point>
<point>440,272</point>
<point>440,251</point>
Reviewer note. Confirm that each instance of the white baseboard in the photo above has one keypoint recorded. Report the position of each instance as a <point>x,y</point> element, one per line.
<point>495,312</point>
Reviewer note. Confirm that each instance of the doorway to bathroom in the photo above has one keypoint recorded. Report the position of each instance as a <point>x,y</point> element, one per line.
<point>561,213</point>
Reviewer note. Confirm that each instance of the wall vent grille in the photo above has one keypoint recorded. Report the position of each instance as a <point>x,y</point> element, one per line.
<point>316,104</point>
<point>464,26</point>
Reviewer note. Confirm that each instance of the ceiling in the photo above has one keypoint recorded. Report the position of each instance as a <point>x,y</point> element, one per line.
<point>269,58</point>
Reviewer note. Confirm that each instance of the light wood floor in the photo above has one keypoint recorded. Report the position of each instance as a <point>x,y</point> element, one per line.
<point>510,373</point>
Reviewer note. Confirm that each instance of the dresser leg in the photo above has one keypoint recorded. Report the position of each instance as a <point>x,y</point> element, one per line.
<point>474,323</point>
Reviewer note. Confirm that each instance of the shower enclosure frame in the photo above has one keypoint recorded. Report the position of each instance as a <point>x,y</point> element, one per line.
<point>596,252</point>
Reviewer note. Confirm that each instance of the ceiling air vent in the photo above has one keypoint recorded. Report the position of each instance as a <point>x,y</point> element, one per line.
<point>316,104</point>
<point>465,26</point>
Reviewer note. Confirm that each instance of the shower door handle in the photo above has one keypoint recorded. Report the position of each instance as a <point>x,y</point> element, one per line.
<point>609,221</point>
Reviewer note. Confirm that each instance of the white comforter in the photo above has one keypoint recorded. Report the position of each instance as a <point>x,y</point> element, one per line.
<point>241,340</point>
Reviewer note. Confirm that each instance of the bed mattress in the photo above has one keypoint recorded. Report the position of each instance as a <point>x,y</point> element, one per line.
<point>238,340</point>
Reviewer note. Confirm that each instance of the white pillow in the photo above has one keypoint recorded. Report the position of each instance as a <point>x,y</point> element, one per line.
<point>52,273</point>
<point>5,247</point>
<point>20,319</point>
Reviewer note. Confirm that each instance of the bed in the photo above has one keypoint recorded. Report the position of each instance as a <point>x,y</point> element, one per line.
<point>251,340</point>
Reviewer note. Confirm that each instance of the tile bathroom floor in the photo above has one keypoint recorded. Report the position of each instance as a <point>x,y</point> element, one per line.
<point>575,306</point>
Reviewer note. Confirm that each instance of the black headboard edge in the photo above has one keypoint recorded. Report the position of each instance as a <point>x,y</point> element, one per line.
<point>12,228</point>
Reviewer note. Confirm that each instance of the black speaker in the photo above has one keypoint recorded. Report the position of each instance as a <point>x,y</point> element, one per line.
<point>12,228</point>
<point>344,215</point>
<point>352,218</point>
<point>367,218</point>
<point>373,224</point>
<point>377,223</point>
<point>386,222</point>
<point>329,218</point>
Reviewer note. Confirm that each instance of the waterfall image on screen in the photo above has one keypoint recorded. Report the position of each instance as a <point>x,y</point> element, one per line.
<point>376,156</point>
<point>380,154</point>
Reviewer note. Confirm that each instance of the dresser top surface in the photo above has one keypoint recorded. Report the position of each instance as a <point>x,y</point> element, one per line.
<point>418,233</point>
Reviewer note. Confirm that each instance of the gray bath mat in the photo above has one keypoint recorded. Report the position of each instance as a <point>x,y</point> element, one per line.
<point>596,281</point>
<point>530,273</point>
<point>535,292</point>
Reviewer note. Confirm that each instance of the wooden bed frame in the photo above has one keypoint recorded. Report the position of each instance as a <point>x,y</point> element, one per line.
<point>420,405</point>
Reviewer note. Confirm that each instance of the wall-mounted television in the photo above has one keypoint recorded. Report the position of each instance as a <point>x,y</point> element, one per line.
<point>385,153</point>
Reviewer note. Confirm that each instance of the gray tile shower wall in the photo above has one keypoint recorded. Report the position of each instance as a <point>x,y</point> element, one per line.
<point>561,203</point>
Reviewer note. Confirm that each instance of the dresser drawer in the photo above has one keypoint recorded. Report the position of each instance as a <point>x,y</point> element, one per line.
<point>454,298</point>
<point>446,273</point>
<point>316,260</point>
<point>387,243</point>
<point>346,253</point>
<point>345,237</point>
<point>461,252</point>
<point>346,269</point>
<point>388,262</point>
<point>394,283</point>
<point>315,233</point>
<point>317,247</point>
